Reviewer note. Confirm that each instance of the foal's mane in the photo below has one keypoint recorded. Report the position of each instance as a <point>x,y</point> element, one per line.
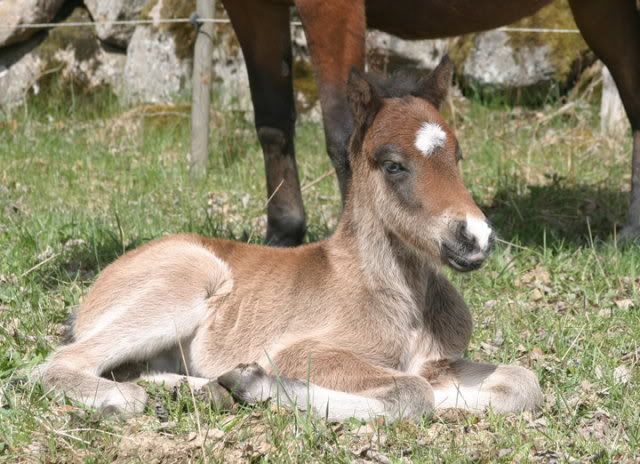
<point>395,85</point>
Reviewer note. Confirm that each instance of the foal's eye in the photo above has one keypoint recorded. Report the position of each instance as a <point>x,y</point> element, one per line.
<point>391,167</point>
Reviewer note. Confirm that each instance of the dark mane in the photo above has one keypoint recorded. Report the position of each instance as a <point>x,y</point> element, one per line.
<point>395,85</point>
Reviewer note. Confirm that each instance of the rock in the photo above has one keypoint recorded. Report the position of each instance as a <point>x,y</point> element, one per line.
<point>388,53</point>
<point>19,72</point>
<point>153,72</point>
<point>493,61</point>
<point>14,13</point>
<point>613,119</point>
<point>104,68</point>
<point>75,55</point>
<point>230,78</point>
<point>525,65</point>
<point>68,55</point>
<point>105,11</point>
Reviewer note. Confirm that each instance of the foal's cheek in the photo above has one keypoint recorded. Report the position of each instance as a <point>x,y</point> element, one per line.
<point>403,188</point>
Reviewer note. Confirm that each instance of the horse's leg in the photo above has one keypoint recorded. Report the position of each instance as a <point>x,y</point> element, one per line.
<point>265,37</point>
<point>332,383</point>
<point>335,32</point>
<point>475,386</point>
<point>612,30</point>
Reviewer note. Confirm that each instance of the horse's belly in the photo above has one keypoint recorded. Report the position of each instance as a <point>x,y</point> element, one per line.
<point>425,19</point>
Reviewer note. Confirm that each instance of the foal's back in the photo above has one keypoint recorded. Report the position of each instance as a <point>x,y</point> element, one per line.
<point>188,267</point>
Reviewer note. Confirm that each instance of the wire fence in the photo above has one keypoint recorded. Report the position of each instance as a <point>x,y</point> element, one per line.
<point>196,20</point>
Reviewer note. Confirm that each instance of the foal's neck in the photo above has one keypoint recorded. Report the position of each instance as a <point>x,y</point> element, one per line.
<point>392,272</point>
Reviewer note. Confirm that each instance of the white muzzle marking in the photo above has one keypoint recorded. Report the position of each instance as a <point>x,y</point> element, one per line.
<point>429,137</point>
<point>479,229</point>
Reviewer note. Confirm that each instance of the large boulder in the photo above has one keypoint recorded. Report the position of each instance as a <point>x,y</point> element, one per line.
<point>153,71</point>
<point>20,70</point>
<point>159,56</point>
<point>230,78</point>
<point>14,13</point>
<point>105,11</point>
<point>387,53</point>
<point>525,65</point>
<point>510,64</point>
<point>493,61</point>
<point>66,56</point>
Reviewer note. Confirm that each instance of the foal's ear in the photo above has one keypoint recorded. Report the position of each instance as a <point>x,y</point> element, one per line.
<point>363,99</point>
<point>434,88</point>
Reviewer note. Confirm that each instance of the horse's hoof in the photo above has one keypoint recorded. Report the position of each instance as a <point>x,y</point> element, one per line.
<point>217,395</point>
<point>248,383</point>
<point>630,234</point>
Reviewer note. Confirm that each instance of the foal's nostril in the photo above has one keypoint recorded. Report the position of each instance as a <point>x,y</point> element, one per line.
<point>465,235</point>
<point>475,234</point>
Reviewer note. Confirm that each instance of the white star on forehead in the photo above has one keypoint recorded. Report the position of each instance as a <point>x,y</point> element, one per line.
<point>429,137</point>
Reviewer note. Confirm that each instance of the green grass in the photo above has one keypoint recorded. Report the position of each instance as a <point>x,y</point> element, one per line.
<point>82,181</point>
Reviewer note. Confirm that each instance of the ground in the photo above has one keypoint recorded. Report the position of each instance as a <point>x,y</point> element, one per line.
<point>82,180</point>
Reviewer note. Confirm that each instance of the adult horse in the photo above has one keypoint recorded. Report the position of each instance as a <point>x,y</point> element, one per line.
<point>335,31</point>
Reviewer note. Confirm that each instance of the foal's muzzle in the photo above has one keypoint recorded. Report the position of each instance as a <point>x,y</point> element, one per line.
<point>472,242</point>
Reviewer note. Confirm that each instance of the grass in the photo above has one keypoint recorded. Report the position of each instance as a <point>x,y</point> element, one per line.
<point>83,180</point>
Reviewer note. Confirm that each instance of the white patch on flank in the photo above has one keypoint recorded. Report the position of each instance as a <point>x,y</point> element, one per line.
<point>429,137</point>
<point>479,229</point>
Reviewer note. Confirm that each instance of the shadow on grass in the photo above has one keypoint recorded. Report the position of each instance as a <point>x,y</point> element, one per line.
<point>553,215</point>
<point>557,214</point>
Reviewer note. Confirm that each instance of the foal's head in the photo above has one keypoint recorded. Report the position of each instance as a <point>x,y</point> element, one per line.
<point>404,159</point>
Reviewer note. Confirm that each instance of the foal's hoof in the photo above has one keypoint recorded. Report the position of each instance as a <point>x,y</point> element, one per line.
<point>126,400</point>
<point>216,394</point>
<point>248,383</point>
<point>629,235</point>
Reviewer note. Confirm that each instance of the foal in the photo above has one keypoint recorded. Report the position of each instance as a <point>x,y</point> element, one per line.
<point>359,325</point>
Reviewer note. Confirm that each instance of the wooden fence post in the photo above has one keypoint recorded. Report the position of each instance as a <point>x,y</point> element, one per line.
<point>201,90</point>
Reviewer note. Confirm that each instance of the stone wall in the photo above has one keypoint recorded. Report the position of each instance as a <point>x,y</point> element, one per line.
<point>152,63</point>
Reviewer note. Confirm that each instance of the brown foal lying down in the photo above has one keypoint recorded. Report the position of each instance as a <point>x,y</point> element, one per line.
<point>359,325</point>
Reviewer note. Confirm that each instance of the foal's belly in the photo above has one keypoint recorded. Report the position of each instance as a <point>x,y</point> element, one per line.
<point>429,19</point>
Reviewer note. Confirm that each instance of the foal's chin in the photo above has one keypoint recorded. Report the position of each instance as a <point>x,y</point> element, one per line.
<point>459,261</point>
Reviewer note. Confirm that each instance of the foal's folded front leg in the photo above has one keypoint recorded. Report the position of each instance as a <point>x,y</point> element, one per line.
<point>341,385</point>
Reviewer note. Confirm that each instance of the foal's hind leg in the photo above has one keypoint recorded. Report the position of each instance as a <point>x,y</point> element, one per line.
<point>612,30</point>
<point>264,33</point>
<point>144,304</point>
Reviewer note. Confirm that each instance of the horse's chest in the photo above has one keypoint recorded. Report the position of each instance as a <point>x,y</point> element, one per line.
<point>419,349</point>
<point>416,352</point>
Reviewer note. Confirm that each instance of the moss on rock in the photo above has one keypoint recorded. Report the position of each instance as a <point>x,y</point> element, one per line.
<point>567,54</point>
<point>82,40</point>
<point>184,34</point>
<point>565,49</point>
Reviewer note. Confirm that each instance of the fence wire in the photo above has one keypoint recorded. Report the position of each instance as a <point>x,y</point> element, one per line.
<point>195,20</point>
